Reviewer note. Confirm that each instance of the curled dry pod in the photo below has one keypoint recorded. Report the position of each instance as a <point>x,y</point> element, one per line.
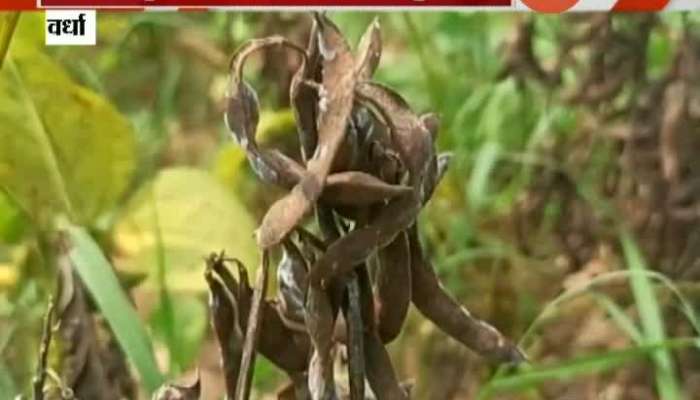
<point>366,61</point>
<point>319,323</point>
<point>411,138</point>
<point>369,51</point>
<point>286,213</point>
<point>355,188</point>
<point>431,122</point>
<point>242,115</point>
<point>435,174</point>
<point>289,349</point>
<point>385,163</point>
<point>393,287</point>
<point>349,151</point>
<point>334,107</point>
<point>281,170</point>
<point>379,371</point>
<point>304,97</point>
<point>366,297</point>
<point>291,278</point>
<point>443,162</point>
<point>365,128</point>
<point>336,97</point>
<point>244,296</point>
<point>352,188</point>
<point>354,248</point>
<point>216,263</point>
<point>226,327</point>
<point>435,304</point>
<point>230,303</point>
<point>355,340</point>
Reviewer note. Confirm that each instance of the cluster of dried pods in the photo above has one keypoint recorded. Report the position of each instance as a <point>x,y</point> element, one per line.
<point>368,167</point>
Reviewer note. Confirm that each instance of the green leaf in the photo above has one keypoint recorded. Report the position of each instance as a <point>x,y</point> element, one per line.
<point>8,389</point>
<point>619,316</point>
<point>651,319</point>
<point>12,222</point>
<point>183,334</point>
<point>100,280</point>
<point>197,215</point>
<point>479,180</point>
<point>267,376</point>
<point>579,366</point>
<point>659,53</point>
<point>64,148</point>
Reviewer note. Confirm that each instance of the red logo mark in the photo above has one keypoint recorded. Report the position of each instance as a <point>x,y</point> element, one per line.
<point>550,6</point>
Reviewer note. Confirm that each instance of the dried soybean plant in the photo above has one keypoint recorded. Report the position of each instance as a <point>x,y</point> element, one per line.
<point>645,115</point>
<point>369,166</point>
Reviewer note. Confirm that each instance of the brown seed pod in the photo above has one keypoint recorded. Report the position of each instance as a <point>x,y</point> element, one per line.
<point>353,188</point>
<point>291,280</point>
<point>411,138</point>
<point>242,117</point>
<point>226,327</point>
<point>355,342</point>
<point>334,107</point>
<point>369,51</point>
<point>435,304</point>
<point>319,323</point>
<point>392,287</point>
<point>354,248</point>
<point>304,97</point>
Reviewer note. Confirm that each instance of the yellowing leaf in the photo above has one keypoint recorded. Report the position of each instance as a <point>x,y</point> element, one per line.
<point>8,23</point>
<point>196,215</point>
<point>64,148</point>
<point>30,31</point>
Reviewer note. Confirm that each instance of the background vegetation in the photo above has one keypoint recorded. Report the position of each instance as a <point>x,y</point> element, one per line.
<point>122,147</point>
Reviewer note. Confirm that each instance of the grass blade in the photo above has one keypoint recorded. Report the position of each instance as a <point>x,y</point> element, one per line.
<point>585,365</point>
<point>619,316</point>
<point>651,319</point>
<point>100,280</point>
<point>479,181</point>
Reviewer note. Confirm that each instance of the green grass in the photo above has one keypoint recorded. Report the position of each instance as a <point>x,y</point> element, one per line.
<point>648,335</point>
<point>652,321</point>
<point>532,377</point>
<point>98,275</point>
